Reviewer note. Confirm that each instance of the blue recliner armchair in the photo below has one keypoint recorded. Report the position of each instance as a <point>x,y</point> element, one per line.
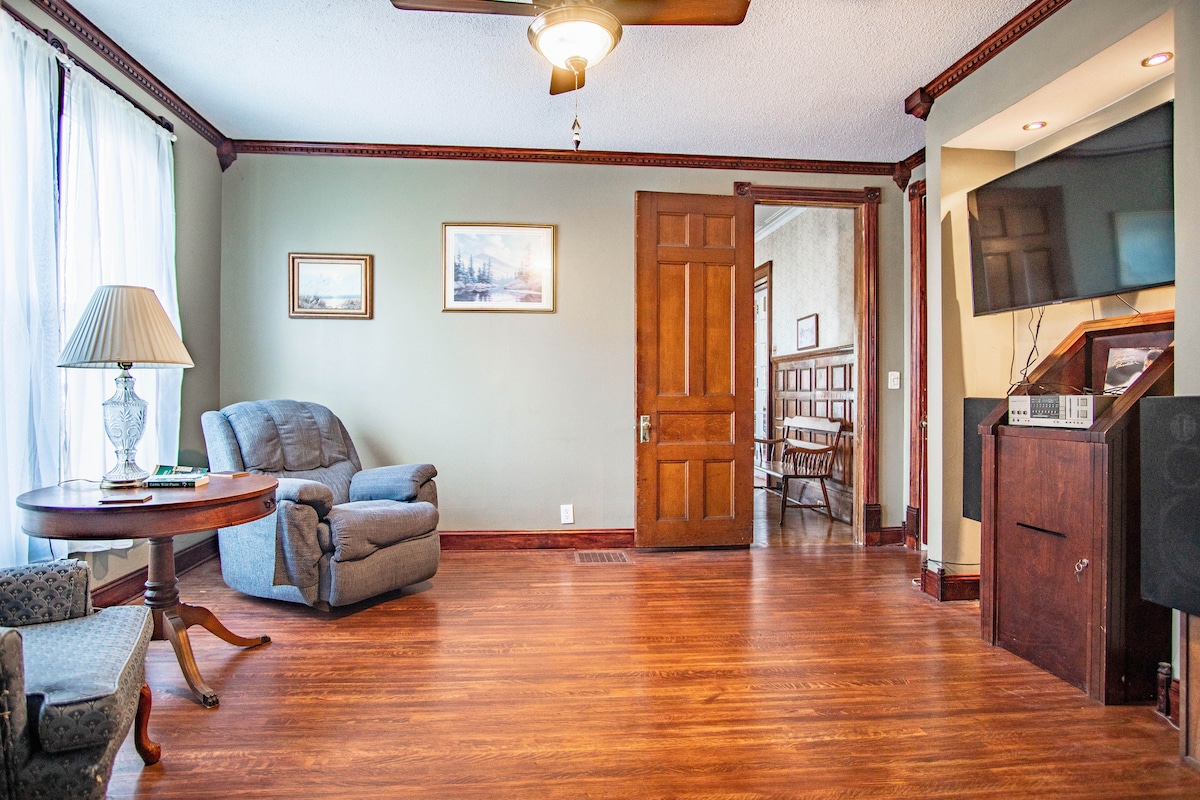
<point>340,534</point>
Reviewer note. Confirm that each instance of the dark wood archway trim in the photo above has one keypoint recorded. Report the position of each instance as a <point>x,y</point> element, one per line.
<point>921,101</point>
<point>916,515</point>
<point>869,516</point>
<point>86,31</point>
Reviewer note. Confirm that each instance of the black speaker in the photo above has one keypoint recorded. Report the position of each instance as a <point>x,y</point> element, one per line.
<point>1170,476</point>
<point>974,411</point>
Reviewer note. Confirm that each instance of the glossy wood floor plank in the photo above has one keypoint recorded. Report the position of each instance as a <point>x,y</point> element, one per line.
<point>804,667</point>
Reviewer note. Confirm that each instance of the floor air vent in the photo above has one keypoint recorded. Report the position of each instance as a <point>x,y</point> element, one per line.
<point>601,557</point>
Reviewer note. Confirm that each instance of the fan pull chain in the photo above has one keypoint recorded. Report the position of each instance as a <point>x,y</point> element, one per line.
<point>575,127</point>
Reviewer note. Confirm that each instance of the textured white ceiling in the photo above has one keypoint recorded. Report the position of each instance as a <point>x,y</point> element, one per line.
<point>811,79</point>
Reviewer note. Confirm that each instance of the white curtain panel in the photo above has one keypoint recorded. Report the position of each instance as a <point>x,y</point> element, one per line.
<point>29,317</point>
<point>116,226</point>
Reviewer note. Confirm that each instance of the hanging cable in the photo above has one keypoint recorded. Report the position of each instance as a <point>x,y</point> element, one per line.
<point>575,127</point>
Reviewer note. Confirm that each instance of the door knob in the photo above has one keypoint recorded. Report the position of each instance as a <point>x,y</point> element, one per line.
<point>644,428</point>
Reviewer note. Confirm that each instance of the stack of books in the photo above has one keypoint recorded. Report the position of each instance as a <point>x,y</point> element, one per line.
<point>168,477</point>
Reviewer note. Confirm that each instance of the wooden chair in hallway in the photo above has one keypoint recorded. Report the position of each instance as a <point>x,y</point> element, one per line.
<point>798,455</point>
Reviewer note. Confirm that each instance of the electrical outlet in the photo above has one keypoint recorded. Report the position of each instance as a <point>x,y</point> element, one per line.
<point>567,514</point>
<point>893,380</point>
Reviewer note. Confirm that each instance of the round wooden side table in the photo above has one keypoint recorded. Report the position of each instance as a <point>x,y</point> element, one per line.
<point>75,511</point>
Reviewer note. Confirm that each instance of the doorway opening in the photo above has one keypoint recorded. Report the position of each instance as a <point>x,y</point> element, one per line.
<point>824,352</point>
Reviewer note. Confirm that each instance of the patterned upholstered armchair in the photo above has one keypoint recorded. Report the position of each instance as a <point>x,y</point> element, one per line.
<point>72,682</point>
<point>340,534</point>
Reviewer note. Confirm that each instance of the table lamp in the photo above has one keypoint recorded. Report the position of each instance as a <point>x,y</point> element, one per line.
<point>121,326</point>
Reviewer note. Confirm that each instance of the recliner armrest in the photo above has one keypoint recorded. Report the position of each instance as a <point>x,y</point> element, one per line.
<point>401,482</point>
<point>48,592</point>
<point>316,495</point>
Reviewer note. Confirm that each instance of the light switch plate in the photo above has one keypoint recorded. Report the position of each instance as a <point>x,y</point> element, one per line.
<point>893,380</point>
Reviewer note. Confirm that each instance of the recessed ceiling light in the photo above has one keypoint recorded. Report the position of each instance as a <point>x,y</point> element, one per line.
<point>1157,59</point>
<point>1034,126</point>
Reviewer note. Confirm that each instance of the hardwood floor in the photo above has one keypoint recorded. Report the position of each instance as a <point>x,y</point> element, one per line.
<point>806,668</point>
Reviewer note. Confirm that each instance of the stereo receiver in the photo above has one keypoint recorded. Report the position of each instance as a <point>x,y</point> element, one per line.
<point>1077,411</point>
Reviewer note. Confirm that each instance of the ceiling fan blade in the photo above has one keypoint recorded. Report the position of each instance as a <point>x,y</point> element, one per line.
<point>677,12</point>
<point>513,7</point>
<point>563,80</point>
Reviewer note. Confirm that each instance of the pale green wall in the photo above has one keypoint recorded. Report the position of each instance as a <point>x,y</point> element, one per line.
<point>520,412</point>
<point>975,352</point>
<point>198,261</point>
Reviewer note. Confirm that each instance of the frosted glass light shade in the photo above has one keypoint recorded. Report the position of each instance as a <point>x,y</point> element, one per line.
<point>124,325</point>
<point>568,32</point>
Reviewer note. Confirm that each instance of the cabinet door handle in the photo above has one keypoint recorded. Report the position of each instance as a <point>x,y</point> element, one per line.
<point>1029,527</point>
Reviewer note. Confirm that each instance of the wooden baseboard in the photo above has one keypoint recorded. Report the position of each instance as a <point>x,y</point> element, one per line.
<point>872,519</point>
<point>912,528</point>
<point>945,588</point>
<point>884,536</point>
<point>129,587</point>
<point>612,539</point>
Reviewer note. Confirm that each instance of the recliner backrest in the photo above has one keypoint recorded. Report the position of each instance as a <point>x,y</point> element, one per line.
<point>289,439</point>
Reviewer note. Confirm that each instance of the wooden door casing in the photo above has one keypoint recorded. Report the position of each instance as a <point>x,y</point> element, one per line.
<point>695,370</point>
<point>916,520</point>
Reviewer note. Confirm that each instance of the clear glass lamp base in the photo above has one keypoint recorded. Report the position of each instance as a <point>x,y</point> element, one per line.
<point>124,422</point>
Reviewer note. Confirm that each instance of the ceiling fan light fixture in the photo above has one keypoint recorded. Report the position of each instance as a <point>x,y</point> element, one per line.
<point>572,32</point>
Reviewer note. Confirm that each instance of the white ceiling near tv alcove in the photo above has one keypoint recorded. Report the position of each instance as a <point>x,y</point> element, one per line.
<point>811,79</point>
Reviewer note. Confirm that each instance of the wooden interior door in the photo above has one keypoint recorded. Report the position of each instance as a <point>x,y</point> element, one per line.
<point>695,370</point>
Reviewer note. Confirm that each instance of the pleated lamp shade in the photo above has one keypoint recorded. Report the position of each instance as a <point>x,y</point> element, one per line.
<point>124,325</point>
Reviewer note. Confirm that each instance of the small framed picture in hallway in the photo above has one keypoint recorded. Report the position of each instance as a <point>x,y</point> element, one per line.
<point>806,332</point>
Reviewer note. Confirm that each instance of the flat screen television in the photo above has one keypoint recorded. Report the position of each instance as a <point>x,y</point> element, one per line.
<point>1094,219</point>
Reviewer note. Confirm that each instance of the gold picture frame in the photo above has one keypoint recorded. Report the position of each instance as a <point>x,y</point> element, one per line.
<point>330,286</point>
<point>498,267</point>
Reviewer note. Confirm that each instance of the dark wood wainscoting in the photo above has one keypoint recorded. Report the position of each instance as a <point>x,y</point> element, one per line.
<point>820,383</point>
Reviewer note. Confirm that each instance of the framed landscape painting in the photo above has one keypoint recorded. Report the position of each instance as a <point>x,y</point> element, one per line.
<point>329,286</point>
<point>497,267</point>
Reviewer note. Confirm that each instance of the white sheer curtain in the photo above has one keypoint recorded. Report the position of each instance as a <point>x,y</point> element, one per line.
<point>29,316</point>
<point>116,226</point>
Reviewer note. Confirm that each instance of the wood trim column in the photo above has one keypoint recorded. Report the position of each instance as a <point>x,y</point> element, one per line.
<point>868,517</point>
<point>916,519</point>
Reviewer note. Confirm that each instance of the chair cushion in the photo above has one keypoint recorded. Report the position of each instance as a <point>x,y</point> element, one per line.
<point>87,672</point>
<point>359,529</point>
<point>277,435</point>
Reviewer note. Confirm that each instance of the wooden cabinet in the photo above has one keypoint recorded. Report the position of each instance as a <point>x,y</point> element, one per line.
<point>1060,547</point>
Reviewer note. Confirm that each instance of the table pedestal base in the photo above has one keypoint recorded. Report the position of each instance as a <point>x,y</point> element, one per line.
<point>173,618</point>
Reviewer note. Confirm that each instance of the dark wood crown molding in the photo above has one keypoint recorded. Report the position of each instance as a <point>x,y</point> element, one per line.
<point>802,195</point>
<point>609,157</point>
<point>87,32</point>
<point>921,101</point>
<point>902,174</point>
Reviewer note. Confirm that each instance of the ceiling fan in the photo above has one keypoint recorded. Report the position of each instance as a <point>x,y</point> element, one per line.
<point>574,35</point>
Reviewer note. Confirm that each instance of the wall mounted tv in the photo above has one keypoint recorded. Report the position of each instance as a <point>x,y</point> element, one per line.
<point>1093,219</point>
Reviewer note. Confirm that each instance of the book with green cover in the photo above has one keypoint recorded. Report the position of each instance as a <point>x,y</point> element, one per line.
<point>167,477</point>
